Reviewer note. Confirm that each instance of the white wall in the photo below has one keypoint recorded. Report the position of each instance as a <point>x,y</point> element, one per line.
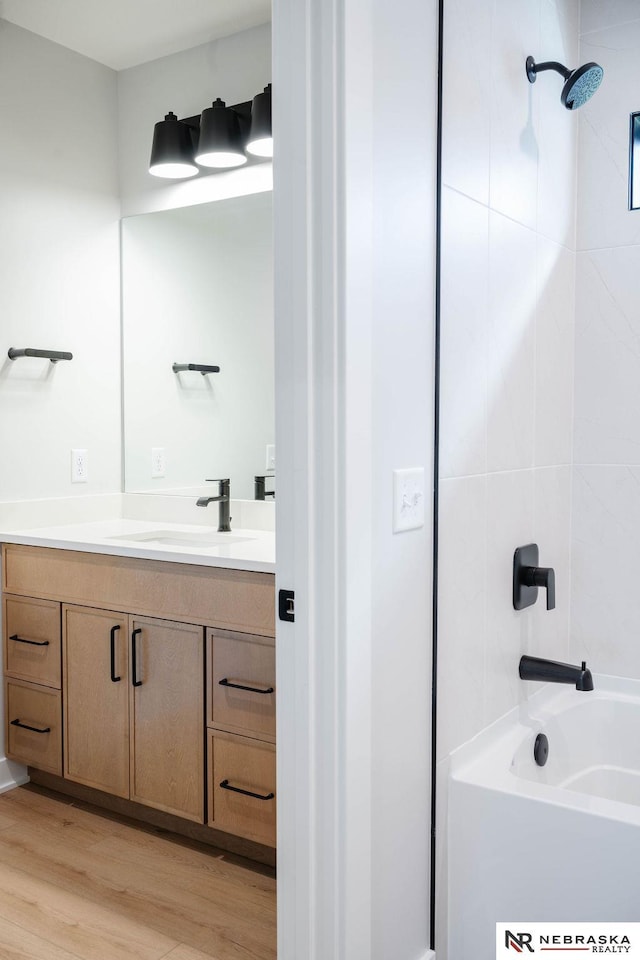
<point>606,518</point>
<point>198,288</point>
<point>508,289</point>
<point>355,242</point>
<point>59,269</point>
<point>403,117</point>
<point>234,68</point>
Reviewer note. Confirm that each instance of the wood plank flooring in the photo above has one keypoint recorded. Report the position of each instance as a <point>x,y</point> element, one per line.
<point>80,884</point>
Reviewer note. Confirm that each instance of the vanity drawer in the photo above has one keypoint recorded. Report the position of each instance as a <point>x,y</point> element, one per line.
<point>41,709</point>
<point>241,681</point>
<point>32,640</point>
<point>240,764</point>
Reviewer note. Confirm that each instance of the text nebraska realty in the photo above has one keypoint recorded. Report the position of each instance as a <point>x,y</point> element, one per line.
<point>594,943</point>
<point>601,943</point>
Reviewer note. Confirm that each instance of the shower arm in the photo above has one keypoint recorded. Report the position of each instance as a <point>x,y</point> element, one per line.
<point>533,68</point>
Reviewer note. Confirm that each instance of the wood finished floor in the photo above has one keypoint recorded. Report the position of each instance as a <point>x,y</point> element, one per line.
<point>76,883</point>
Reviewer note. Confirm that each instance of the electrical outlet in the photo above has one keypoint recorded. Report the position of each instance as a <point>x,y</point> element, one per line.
<point>79,466</point>
<point>271,457</point>
<point>408,499</point>
<point>158,462</point>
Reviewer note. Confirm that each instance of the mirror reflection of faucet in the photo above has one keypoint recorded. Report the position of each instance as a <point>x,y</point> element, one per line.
<point>223,500</point>
<point>260,487</point>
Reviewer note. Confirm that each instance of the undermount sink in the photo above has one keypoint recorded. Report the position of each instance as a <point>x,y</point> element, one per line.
<point>182,538</point>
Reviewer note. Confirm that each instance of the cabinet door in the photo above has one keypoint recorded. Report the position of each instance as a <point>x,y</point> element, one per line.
<point>96,698</point>
<point>167,716</point>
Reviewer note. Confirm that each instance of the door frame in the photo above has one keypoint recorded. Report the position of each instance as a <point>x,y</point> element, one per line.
<point>326,194</point>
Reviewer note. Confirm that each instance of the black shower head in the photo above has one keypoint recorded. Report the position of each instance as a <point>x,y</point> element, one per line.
<point>580,84</point>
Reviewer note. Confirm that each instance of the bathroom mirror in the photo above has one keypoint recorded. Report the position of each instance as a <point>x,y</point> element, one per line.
<point>197,288</point>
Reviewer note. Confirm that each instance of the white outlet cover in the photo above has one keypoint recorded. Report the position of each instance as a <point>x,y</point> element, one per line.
<point>79,466</point>
<point>158,463</point>
<point>408,499</point>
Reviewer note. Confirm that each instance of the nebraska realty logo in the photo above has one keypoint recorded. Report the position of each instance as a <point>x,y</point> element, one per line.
<point>560,939</point>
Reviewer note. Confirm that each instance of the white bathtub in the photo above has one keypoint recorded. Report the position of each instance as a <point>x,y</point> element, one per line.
<point>553,843</point>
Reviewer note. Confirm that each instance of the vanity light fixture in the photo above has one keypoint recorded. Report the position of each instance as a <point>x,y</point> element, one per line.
<point>219,138</point>
<point>260,142</point>
<point>221,144</point>
<point>172,149</point>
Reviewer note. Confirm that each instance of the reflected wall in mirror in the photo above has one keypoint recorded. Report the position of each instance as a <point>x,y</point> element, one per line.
<point>197,287</point>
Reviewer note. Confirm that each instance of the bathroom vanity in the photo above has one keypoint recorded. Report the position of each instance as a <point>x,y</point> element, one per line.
<point>146,680</point>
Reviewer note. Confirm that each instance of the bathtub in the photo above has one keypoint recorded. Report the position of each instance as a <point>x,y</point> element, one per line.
<point>554,843</point>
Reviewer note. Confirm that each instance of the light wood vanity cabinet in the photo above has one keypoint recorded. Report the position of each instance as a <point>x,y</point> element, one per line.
<point>241,716</point>
<point>133,686</point>
<point>33,710</point>
<point>110,659</point>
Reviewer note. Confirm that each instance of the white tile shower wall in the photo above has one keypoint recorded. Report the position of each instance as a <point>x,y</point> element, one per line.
<point>605,611</point>
<point>603,164</point>
<point>59,268</point>
<point>596,14</point>
<point>507,349</point>
<point>508,295</point>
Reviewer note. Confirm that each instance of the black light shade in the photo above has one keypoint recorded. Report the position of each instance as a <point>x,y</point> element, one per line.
<point>172,150</point>
<point>221,143</point>
<point>260,138</point>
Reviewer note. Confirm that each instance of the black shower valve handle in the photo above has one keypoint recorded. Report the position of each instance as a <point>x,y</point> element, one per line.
<point>528,576</point>
<point>541,577</point>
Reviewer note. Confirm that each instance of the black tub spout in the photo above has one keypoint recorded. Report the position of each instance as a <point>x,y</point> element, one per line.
<point>552,671</point>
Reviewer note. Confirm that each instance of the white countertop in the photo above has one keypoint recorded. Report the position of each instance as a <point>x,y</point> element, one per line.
<point>245,549</point>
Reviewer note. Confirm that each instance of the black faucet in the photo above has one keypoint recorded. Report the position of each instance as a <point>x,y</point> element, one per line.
<point>551,671</point>
<point>224,499</point>
<point>260,484</point>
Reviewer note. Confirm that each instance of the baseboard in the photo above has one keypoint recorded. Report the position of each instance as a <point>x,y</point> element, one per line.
<point>12,775</point>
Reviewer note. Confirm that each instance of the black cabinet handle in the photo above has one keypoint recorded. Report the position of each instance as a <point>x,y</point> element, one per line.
<point>246,793</point>
<point>134,657</point>
<point>114,630</point>
<point>242,686</point>
<point>34,643</point>
<point>25,726</point>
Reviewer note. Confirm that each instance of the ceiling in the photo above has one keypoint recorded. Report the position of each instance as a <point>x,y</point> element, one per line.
<point>123,33</point>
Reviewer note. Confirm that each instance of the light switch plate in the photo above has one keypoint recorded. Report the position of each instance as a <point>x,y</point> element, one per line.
<point>270,459</point>
<point>408,499</point>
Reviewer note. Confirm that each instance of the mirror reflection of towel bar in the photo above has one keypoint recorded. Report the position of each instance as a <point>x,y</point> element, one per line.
<point>202,368</point>
<point>53,355</point>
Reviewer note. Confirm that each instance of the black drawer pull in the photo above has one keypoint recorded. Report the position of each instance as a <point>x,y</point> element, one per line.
<point>114,630</point>
<point>25,726</point>
<point>134,657</point>
<point>246,793</point>
<point>34,643</point>
<point>242,686</point>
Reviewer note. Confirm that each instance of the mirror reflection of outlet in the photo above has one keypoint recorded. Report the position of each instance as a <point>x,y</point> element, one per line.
<point>271,457</point>
<point>408,499</point>
<point>158,463</point>
<point>79,466</point>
